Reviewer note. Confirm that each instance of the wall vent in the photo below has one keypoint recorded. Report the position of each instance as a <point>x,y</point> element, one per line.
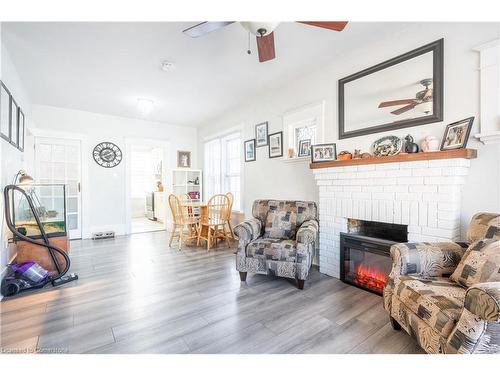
<point>102,235</point>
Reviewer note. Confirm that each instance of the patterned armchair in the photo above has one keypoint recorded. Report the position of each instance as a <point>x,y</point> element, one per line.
<point>279,239</point>
<point>449,314</point>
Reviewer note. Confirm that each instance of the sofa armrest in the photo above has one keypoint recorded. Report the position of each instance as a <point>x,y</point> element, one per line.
<point>308,232</point>
<point>248,230</point>
<point>425,258</point>
<point>483,300</point>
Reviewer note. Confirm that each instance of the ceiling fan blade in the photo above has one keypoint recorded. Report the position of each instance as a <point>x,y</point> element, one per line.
<point>205,28</point>
<point>332,25</point>
<point>396,102</point>
<point>404,109</point>
<point>265,47</point>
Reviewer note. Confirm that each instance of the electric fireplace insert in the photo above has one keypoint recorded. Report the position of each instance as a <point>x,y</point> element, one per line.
<point>365,253</point>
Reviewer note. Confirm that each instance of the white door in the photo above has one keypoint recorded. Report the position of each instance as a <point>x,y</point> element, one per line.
<point>57,161</point>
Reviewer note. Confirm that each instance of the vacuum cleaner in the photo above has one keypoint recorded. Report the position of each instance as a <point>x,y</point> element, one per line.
<point>30,275</point>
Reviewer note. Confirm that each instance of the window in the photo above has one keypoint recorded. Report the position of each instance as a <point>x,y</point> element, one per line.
<point>304,130</point>
<point>303,124</point>
<point>223,167</point>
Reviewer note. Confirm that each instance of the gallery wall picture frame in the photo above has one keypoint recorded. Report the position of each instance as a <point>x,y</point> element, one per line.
<point>261,134</point>
<point>304,148</point>
<point>323,152</point>
<point>276,145</point>
<point>250,148</point>
<point>21,130</point>
<point>457,134</point>
<point>14,122</point>
<point>183,159</point>
<point>5,98</point>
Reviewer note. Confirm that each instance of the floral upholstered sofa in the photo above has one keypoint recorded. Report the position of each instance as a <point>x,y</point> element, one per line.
<point>279,239</point>
<point>446,295</point>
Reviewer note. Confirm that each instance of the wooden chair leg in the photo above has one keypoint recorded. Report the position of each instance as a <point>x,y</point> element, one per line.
<point>171,236</point>
<point>209,239</point>
<point>199,234</point>
<point>180,238</point>
<point>300,284</point>
<point>243,276</point>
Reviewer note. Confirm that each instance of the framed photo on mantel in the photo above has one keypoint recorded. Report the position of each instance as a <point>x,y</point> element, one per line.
<point>261,131</point>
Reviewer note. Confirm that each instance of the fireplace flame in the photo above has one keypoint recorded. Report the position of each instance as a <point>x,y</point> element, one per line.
<point>370,277</point>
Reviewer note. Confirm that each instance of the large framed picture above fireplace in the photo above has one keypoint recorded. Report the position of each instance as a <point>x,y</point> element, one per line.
<point>404,91</point>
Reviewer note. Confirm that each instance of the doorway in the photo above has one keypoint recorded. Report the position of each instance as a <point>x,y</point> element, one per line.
<point>147,193</point>
<point>58,162</point>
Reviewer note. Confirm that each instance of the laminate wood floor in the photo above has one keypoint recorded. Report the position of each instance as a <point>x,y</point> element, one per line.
<point>137,295</point>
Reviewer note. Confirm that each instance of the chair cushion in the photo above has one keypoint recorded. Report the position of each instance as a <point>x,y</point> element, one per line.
<point>281,224</point>
<point>437,300</point>
<point>493,232</point>
<point>272,249</point>
<point>480,263</point>
<point>479,225</point>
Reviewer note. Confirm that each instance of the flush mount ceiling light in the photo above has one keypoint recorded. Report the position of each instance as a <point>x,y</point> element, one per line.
<point>145,106</point>
<point>167,66</point>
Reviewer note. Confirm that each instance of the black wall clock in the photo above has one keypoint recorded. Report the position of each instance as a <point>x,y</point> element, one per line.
<point>107,154</point>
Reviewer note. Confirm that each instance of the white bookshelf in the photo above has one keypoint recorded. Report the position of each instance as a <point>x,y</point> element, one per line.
<point>183,182</point>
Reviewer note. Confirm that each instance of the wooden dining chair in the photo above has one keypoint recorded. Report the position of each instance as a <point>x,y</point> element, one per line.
<point>185,224</point>
<point>212,226</point>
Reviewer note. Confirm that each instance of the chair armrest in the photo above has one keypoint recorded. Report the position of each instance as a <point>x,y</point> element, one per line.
<point>308,232</point>
<point>483,300</point>
<point>248,230</point>
<point>426,259</point>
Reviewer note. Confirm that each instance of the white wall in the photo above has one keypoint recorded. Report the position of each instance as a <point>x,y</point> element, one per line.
<point>104,189</point>
<point>267,178</point>
<point>11,159</point>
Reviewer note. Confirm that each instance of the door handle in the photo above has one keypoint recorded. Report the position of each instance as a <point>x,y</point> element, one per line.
<point>79,190</point>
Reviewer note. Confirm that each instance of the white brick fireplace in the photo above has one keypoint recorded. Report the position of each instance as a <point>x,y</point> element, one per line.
<point>425,195</point>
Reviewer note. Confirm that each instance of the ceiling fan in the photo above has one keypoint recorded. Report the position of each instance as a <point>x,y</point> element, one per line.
<point>262,30</point>
<point>421,97</point>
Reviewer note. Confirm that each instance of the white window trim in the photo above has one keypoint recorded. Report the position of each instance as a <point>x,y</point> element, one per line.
<point>294,118</point>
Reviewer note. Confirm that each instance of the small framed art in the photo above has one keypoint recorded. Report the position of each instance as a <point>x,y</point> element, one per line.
<point>456,134</point>
<point>183,159</point>
<point>304,148</point>
<point>250,150</point>
<point>261,132</point>
<point>276,145</point>
<point>324,152</point>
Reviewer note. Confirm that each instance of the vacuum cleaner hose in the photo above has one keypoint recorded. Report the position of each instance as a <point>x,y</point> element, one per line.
<point>50,248</point>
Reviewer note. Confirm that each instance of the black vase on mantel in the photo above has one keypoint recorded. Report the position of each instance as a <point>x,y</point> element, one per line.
<point>410,146</point>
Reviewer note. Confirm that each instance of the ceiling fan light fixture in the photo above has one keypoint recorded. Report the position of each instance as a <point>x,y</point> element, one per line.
<point>260,29</point>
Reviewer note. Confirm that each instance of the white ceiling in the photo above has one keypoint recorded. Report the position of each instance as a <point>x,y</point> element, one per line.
<point>105,67</point>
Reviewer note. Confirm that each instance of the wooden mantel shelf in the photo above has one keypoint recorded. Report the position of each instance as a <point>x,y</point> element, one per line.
<point>463,153</point>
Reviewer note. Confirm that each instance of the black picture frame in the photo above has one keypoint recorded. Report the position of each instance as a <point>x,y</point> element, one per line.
<point>301,142</point>
<point>21,130</point>
<point>437,48</point>
<point>254,150</point>
<point>14,122</point>
<point>465,122</point>
<point>280,135</point>
<point>4,92</point>
<point>266,138</point>
<point>313,147</point>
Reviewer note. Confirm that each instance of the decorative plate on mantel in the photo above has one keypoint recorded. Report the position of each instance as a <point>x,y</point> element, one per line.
<point>387,146</point>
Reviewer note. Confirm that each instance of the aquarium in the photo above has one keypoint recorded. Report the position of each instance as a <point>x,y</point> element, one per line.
<point>49,201</point>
